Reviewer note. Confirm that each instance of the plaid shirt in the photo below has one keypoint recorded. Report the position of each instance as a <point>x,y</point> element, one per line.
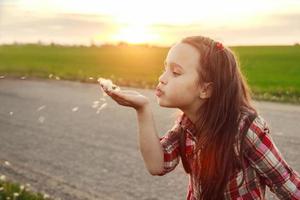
<point>264,163</point>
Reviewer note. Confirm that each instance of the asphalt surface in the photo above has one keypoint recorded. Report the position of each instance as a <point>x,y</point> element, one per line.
<point>56,139</point>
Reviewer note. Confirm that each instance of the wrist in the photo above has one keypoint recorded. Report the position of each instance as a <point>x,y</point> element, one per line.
<point>143,109</point>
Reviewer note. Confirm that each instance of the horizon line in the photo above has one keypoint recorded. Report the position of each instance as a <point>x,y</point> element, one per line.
<point>124,43</point>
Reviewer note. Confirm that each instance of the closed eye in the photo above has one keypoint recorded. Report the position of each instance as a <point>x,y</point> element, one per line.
<point>173,72</point>
<point>176,74</point>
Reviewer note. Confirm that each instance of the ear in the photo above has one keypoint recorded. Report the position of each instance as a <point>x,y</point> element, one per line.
<point>206,90</point>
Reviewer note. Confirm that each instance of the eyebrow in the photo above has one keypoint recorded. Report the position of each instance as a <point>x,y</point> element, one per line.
<point>172,65</point>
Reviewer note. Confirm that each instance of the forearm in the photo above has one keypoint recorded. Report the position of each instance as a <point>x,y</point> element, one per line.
<point>149,143</point>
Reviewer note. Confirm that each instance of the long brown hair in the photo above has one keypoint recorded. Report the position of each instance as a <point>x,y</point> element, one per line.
<point>218,118</point>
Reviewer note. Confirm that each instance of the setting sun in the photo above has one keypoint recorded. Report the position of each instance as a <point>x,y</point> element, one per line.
<point>135,34</point>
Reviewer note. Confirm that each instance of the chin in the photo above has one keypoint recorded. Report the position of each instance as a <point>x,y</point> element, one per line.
<point>164,104</point>
<point>160,102</point>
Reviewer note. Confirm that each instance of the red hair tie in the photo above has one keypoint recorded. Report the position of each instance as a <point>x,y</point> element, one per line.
<point>219,46</point>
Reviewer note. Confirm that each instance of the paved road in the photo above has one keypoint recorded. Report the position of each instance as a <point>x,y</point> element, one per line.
<point>56,141</point>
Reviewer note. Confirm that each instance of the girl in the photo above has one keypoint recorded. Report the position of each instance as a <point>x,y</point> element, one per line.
<point>224,144</point>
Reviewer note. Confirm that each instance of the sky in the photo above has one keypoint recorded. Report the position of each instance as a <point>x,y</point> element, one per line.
<point>233,22</point>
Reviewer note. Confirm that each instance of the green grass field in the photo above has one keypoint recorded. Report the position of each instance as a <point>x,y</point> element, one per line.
<point>14,191</point>
<point>273,72</point>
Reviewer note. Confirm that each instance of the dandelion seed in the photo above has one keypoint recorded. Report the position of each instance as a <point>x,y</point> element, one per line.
<point>41,108</point>
<point>46,196</point>
<point>101,107</point>
<point>27,185</point>
<point>57,78</point>
<point>95,104</point>
<point>1,77</point>
<point>2,177</point>
<point>7,198</point>
<point>7,163</point>
<point>107,84</point>
<point>23,77</point>
<point>11,113</point>
<point>50,75</point>
<point>22,187</point>
<point>16,194</point>
<point>1,188</point>
<point>75,109</point>
<point>91,78</point>
<point>41,119</point>
<point>116,88</point>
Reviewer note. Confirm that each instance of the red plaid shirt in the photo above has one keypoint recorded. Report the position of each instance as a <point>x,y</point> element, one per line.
<point>264,163</point>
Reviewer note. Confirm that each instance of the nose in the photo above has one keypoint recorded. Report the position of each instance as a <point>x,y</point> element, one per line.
<point>162,78</point>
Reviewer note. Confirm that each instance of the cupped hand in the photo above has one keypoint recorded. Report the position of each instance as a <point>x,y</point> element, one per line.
<point>129,98</point>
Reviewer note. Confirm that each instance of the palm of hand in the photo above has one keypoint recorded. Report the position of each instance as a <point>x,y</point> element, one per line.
<point>128,98</point>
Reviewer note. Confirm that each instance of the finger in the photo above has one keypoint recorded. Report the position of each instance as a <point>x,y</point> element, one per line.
<point>117,98</point>
<point>120,96</point>
<point>104,89</point>
<point>125,94</point>
<point>129,92</point>
<point>122,101</point>
<point>102,86</point>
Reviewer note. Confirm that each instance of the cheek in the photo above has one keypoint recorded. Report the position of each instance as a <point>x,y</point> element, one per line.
<point>187,89</point>
<point>184,93</point>
<point>179,91</point>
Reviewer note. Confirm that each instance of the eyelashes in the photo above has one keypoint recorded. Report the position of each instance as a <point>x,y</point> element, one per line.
<point>174,73</point>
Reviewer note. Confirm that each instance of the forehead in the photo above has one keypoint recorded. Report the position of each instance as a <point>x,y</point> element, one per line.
<point>184,55</point>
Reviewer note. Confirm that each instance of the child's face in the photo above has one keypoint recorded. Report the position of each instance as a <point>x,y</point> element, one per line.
<point>179,82</point>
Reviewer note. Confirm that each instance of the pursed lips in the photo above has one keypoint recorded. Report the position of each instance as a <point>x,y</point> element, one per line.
<point>158,92</point>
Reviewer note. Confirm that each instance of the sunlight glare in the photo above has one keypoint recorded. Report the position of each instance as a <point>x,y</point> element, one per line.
<point>134,34</point>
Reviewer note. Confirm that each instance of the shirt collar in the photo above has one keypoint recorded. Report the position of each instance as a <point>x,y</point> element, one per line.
<point>187,124</point>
